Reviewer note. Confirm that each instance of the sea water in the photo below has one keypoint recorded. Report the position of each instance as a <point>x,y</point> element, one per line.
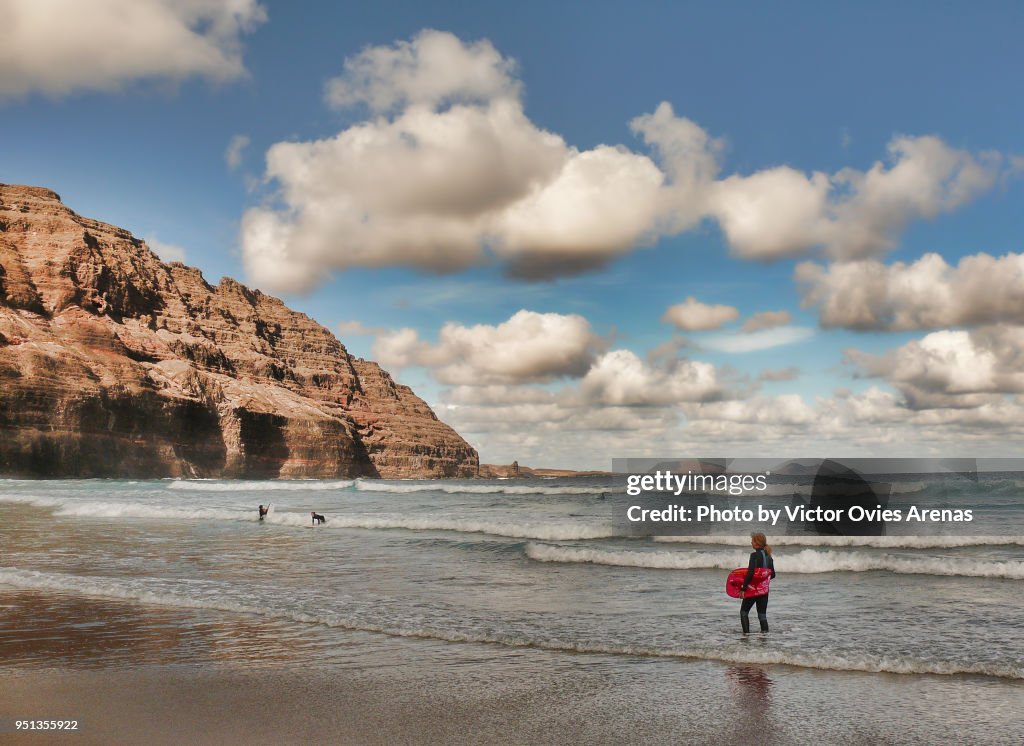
<point>512,574</point>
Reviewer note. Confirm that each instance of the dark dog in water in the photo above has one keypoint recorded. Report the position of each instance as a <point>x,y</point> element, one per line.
<point>317,518</point>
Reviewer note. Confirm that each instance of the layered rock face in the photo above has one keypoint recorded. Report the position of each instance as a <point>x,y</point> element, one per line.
<point>113,363</point>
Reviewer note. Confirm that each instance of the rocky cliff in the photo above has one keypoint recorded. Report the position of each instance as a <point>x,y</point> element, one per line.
<point>113,363</point>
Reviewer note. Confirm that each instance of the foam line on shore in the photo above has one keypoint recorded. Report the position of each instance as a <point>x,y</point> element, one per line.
<point>879,542</point>
<point>807,561</point>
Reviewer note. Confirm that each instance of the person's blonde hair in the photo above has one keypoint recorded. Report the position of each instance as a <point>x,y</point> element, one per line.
<point>762,541</point>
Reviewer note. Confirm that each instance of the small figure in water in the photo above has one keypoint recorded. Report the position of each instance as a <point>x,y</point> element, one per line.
<point>317,518</point>
<point>761,557</point>
<point>264,511</point>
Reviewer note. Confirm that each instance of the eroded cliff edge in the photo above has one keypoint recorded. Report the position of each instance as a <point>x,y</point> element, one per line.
<point>113,363</point>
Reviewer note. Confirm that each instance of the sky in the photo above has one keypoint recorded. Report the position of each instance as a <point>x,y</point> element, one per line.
<point>580,231</point>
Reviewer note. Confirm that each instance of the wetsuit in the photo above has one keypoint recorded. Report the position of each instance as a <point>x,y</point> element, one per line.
<point>759,558</point>
<point>263,511</point>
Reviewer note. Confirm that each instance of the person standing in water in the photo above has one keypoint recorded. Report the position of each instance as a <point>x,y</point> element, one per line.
<point>264,511</point>
<point>761,557</point>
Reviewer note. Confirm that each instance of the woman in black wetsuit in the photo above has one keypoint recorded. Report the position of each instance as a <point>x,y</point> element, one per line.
<point>760,557</point>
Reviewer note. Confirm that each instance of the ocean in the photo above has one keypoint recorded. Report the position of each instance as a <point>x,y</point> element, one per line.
<point>526,588</point>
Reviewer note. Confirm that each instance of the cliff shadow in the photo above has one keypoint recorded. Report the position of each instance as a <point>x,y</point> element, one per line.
<point>263,444</point>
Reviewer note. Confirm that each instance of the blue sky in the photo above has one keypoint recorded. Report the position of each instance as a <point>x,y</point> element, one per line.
<point>875,133</point>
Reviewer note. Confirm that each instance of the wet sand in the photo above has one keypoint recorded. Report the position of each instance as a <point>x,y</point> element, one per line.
<point>175,705</point>
<point>594,702</point>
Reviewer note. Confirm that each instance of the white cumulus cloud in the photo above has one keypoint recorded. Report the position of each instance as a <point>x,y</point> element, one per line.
<point>952,368</point>
<point>620,378</point>
<point>528,347</point>
<point>784,409</point>
<point>602,202</point>
<point>448,171</point>
<point>434,68</point>
<point>772,213</point>
<point>925,294</point>
<point>692,316</point>
<point>59,46</point>
<point>781,212</point>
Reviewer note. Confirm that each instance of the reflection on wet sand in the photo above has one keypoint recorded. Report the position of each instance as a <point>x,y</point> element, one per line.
<point>751,691</point>
<point>48,628</point>
<point>751,686</point>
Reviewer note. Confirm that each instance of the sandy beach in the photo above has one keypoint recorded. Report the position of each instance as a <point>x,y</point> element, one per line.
<point>174,705</point>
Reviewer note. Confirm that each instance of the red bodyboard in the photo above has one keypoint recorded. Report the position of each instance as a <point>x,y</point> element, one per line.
<point>758,584</point>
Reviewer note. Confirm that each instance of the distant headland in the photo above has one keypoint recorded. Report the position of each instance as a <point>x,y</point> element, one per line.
<point>514,470</point>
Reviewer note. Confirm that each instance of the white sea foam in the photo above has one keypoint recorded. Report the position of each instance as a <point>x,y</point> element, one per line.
<point>662,560</point>
<point>881,542</point>
<point>302,485</point>
<point>91,509</point>
<point>805,561</point>
<point>191,597</point>
<point>781,489</point>
<point>78,508</point>
<point>898,488</point>
<point>542,530</point>
<point>462,488</point>
<point>376,485</point>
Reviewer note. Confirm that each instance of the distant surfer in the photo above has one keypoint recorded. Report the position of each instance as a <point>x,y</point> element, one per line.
<point>264,511</point>
<point>317,518</point>
<point>761,558</point>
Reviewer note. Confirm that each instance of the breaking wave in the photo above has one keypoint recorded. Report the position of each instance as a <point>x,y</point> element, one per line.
<point>264,486</point>
<point>780,489</point>
<point>366,485</point>
<point>807,561</point>
<point>375,485</point>
<point>543,530</point>
<point>100,509</point>
<point>880,542</point>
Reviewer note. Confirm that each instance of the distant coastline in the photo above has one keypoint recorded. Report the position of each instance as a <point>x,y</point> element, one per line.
<point>513,471</point>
